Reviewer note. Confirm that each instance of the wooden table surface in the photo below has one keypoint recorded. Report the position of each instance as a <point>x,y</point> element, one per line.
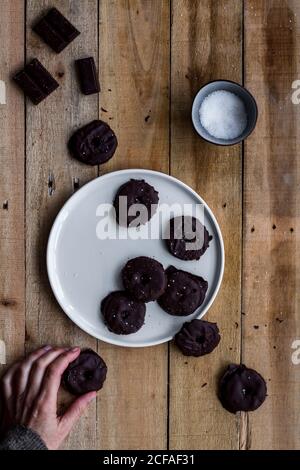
<point>152,56</point>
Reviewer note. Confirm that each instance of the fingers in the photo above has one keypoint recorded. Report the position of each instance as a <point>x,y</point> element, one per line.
<point>74,412</point>
<point>14,382</point>
<point>37,373</point>
<point>53,374</point>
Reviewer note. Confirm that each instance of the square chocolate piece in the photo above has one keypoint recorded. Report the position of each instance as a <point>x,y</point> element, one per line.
<point>88,79</point>
<point>35,81</point>
<point>56,30</point>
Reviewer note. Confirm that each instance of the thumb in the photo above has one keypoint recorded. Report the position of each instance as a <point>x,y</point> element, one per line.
<point>75,410</point>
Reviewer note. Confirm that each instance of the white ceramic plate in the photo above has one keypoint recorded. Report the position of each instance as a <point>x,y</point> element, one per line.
<point>83,269</point>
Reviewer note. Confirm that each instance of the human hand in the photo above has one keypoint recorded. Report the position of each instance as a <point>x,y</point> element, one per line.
<point>29,395</point>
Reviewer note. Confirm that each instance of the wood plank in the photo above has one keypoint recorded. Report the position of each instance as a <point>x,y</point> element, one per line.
<point>272,223</point>
<point>12,274</point>
<point>134,75</point>
<point>206,45</point>
<point>50,176</point>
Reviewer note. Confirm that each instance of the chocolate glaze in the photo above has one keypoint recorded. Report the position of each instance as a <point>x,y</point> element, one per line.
<point>144,278</point>
<point>242,389</point>
<point>86,374</point>
<point>185,292</point>
<point>182,230</point>
<point>123,314</point>
<point>94,144</point>
<point>197,338</point>
<point>137,192</point>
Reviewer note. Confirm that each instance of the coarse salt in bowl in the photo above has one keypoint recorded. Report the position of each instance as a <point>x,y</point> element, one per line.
<point>224,112</point>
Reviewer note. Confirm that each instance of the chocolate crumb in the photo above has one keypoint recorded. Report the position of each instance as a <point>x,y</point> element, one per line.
<point>186,362</point>
<point>224,205</point>
<point>236,324</point>
<point>252,229</point>
<point>274,347</point>
<point>291,229</point>
<point>255,327</point>
<point>204,385</point>
<point>104,110</point>
<point>109,89</point>
<point>279,320</point>
<point>273,226</point>
<point>147,118</point>
<point>5,205</point>
<point>60,74</point>
<point>243,313</point>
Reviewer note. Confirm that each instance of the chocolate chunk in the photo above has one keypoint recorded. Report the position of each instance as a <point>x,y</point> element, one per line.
<point>36,81</point>
<point>86,374</point>
<point>185,292</point>
<point>88,79</point>
<point>189,239</point>
<point>94,143</point>
<point>197,338</point>
<point>242,389</point>
<point>56,30</point>
<point>144,278</point>
<point>123,314</point>
<point>139,195</point>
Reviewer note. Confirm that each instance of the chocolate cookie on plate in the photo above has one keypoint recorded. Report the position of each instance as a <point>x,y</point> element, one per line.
<point>242,389</point>
<point>185,292</point>
<point>122,313</point>
<point>197,338</point>
<point>135,203</point>
<point>188,239</point>
<point>144,278</point>
<point>86,374</point>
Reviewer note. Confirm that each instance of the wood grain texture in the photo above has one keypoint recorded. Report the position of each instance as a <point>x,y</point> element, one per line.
<point>50,175</point>
<point>271,231</point>
<point>206,45</point>
<point>12,131</point>
<point>134,74</point>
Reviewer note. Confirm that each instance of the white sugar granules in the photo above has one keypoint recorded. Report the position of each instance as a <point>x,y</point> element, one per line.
<point>223,115</point>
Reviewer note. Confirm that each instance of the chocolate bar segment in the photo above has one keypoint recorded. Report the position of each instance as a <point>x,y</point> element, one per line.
<point>87,75</point>
<point>56,30</point>
<point>36,81</point>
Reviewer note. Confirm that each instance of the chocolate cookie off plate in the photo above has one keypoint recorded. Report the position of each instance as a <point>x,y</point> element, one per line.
<point>87,250</point>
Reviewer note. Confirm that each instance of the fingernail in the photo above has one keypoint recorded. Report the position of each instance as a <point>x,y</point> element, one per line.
<point>47,347</point>
<point>76,349</point>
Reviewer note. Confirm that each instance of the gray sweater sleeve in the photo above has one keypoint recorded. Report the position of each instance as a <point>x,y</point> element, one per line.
<point>22,438</point>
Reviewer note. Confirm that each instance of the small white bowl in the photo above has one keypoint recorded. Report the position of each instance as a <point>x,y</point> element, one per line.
<point>241,92</point>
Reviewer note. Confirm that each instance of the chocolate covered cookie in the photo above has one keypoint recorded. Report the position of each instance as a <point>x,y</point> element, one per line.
<point>144,278</point>
<point>242,389</point>
<point>188,238</point>
<point>197,338</point>
<point>94,144</point>
<point>135,203</point>
<point>185,292</point>
<point>123,314</point>
<point>86,374</point>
